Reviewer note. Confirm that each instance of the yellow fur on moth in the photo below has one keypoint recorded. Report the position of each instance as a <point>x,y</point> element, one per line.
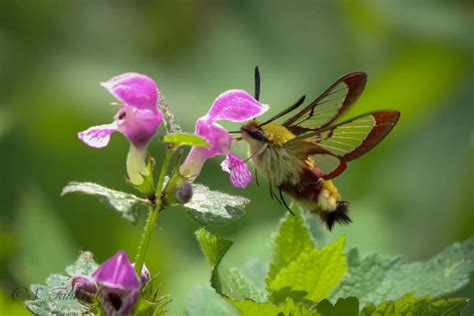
<point>281,165</point>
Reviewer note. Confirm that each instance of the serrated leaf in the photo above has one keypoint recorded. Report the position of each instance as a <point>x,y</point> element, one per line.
<point>375,278</point>
<point>317,272</point>
<point>344,306</point>
<point>213,247</point>
<point>251,308</point>
<point>203,301</point>
<point>56,297</point>
<point>125,203</point>
<point>169,120</point>
<point>292,239</point>
<point>229,283</point>
<point>185,139</point>
<point>411,305</point>
<point>213,207</point>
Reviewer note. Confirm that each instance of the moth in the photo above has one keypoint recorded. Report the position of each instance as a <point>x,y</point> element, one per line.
<point>302,154</point>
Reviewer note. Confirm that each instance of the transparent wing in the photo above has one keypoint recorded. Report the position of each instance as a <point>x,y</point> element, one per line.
<point>332,147</point>
<point>325,109</point>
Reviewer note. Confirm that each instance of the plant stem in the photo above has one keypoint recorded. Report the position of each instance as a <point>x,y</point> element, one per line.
<point>152,216</point>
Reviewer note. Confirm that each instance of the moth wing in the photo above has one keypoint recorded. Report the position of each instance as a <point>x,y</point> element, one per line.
<point>332,147</point>
<point>329,106</point>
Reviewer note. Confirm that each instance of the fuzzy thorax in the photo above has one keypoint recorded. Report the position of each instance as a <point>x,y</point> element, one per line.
<point>277,134</point>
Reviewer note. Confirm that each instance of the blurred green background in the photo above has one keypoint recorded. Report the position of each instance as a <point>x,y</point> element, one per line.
<point>413,195</point>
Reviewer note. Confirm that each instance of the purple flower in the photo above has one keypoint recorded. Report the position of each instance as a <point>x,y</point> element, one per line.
<point>234,106</point>
<point>119,285</point>
<point>138,120</point>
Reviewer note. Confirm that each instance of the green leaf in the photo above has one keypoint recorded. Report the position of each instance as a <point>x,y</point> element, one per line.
<point>229,283</point>
<point>344,306</point>
<point>125,203</point>
<point>204,301</point>
<point>251,308</point>
<point>185,139</point>
<point>375,278</point>
<point>56,297</point>
<point>213,247</point>
<point>293,239</point>
<point>169,121</point>
<point>213,207</point>
<point>411,305</point>
<point>317,272</point>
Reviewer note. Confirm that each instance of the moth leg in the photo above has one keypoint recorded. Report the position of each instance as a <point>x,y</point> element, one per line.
<point>284,202</point>
<point>256,177</point>
<point>272,194</point>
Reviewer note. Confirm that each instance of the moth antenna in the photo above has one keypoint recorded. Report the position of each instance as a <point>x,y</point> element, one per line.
<point>257,83</point>
<point>286,111</point>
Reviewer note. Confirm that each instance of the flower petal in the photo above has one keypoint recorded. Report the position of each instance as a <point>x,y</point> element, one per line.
<point>135,90</point>
<point>235,106</point>
<point>138,125</point>
<point>117,273</point>
<point>240,175</point>
<point>219,141</point>
<point>97,136</point>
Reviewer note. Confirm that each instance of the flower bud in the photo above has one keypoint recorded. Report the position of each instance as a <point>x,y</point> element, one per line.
<point>144,275</point>
<point>84,288</point>
<point>178,191</point>
<point>184,193</point>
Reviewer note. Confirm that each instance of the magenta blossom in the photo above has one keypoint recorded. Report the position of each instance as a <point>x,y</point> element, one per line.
<point>119,285</point>
<point>233,106</point>
<point>138,120</point>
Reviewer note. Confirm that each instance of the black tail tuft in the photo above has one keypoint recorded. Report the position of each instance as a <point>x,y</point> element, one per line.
<point>338,216</point>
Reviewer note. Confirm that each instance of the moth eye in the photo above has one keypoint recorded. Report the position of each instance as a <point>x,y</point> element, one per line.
<point>257,135</point>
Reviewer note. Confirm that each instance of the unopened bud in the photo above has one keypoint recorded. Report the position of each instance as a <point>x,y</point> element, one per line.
<point>84,288</point>
<point>144,275</point>
<point>184,193</point>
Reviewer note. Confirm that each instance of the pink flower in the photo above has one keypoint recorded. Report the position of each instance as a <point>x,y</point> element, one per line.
<point>138,120</point>
<point>234,106</point>
<point>119,285</point>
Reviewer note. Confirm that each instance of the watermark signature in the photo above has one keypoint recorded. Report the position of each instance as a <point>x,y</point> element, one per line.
<point>59,294</point>
<point>26,294</point>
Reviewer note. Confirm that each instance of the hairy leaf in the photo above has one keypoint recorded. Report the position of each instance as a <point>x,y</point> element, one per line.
<point>56,297</point>
<point>229,283</point>
<point>185,139</point>
<point>411,305</point>
<point>344,306</point>
<point>251,308</point>
<point>204,301</point>
<point>317,272</point>
<point>374,278</point>
<point>125,203</point>
<point>213,207</point>
<point>293,239</point>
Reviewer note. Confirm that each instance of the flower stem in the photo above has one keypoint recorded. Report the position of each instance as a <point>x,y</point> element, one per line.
<point>152,216</point>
